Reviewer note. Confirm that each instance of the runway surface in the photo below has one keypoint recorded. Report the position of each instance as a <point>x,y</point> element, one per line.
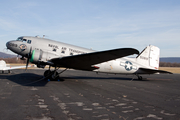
<point>82,95</point>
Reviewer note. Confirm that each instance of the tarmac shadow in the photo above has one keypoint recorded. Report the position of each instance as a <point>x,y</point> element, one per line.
<point>100,78</point>
<point>26,79</point>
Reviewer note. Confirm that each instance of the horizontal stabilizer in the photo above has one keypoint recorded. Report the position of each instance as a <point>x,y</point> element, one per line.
<point>151,71</point>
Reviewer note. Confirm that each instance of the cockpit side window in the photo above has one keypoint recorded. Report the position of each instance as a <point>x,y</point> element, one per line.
<point>24,40</point>
<point>29,41</point>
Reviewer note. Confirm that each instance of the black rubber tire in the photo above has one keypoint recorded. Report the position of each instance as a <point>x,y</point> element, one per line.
<point>47,73</point>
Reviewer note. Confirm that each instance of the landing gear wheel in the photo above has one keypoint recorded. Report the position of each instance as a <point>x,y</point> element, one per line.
<point>47,73</point>
<point>53,75</point>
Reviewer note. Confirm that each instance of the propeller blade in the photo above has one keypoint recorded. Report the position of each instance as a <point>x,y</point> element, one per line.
<point>29,56</point>
<point>27,63</point>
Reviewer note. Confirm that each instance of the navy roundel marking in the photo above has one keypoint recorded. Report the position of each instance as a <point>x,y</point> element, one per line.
<point>128,65</point>
<point>23,47</point>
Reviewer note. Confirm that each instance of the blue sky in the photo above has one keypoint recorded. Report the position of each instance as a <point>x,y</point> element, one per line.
<point>96,24</point>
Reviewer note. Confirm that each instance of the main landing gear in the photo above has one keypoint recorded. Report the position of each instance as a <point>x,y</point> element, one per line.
<point>53,75</point>
<point>139,77</point>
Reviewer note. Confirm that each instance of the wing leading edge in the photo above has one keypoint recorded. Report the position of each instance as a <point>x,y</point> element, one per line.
<point>85,61</point>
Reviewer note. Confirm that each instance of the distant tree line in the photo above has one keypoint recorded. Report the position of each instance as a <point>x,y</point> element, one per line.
<point>168,64</point>
<point>19,61</point>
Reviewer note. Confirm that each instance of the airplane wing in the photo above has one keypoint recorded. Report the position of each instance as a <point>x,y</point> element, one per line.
<point>85,61</point>
<point>16,67</point>
<point>151,71</point>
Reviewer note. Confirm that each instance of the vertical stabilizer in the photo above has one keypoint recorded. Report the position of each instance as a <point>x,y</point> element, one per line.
<point>149,57</point>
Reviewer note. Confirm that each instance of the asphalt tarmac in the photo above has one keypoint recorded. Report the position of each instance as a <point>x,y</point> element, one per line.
<point>82,95</point>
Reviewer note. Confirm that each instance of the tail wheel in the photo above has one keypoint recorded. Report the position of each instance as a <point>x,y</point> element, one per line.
<point>140,77</point>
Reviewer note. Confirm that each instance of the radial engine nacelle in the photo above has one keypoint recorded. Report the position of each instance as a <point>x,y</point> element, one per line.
<point>40,57</point>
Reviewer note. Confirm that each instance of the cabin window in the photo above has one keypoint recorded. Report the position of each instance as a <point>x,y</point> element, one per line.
<point>63,51</point>
<point>29,41</point>
<point>71,53</point>
<point>54,50</point>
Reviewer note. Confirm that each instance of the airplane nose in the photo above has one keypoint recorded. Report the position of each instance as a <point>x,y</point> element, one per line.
<point>11,45</point>
<point>7,45</point>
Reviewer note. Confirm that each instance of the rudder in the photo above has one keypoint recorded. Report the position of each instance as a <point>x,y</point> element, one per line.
<point>149,57</point>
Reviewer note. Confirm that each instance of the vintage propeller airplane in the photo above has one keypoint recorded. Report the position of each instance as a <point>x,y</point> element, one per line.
<point>42,52</point>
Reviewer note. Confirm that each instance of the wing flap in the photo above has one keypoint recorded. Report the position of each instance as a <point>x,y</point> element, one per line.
<point>85,61</point>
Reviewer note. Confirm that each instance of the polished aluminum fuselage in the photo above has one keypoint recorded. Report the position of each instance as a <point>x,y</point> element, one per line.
<point>58,50</point>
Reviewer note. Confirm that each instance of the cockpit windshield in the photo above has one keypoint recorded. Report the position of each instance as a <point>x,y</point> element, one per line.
<point>23,40</point>
<point>19,39</point>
